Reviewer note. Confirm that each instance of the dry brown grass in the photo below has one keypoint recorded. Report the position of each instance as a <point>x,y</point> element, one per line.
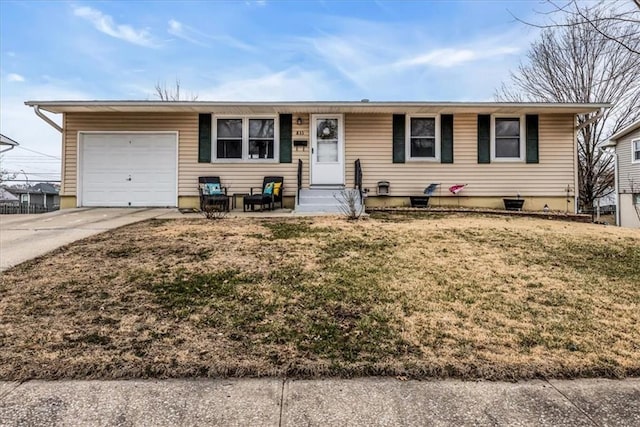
<point>437,296</point>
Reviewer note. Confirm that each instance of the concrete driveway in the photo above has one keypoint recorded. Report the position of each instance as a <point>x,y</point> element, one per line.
<point>24,237</point>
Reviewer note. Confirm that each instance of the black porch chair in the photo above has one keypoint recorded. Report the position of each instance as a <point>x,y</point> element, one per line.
<point>220,200</point>
<point>263,199</point>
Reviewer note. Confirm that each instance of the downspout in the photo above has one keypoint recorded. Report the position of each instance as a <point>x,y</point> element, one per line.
<point>11,147</point>
<point>576,160</point>
<point>617,186</point>
<point>36,109</point>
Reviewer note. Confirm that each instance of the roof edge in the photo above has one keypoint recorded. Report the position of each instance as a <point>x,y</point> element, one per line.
<point>613,139</point>
<point>311,103</point>
<point>309,106</point>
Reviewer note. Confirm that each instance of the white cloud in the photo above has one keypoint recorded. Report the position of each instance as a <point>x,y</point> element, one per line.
<point>383,60</point>
<point>450,57</point>
<point>16,78</point>
<point>179,30</point>
<point>288,85</point>
<point>192,35</point>
<point>105,24</point>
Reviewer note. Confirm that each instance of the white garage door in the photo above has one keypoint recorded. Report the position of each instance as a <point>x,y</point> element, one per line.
<point>119,169</point>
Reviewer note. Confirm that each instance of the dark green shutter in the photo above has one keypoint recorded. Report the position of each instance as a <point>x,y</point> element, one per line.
<point>532,138</point>
<point>204,138</point>
<point>399,142</point>
<point>484,138</point>
<point>286,122</point>
<point>446,138</point>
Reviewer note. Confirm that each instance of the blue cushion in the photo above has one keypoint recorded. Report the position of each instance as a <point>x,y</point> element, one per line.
<point>212,189</point>
<point>268,189</point>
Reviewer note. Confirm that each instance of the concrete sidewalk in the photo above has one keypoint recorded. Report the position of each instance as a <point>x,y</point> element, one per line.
<point>331,402</point>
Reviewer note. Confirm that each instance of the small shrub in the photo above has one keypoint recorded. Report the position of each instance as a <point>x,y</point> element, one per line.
<point>349,204</point>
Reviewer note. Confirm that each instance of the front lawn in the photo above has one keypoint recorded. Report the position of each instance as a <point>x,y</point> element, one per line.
<point>434,296</point>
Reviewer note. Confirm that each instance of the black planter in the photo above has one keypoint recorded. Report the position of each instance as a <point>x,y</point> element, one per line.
<point>419,201</point>
<point>513,204</point>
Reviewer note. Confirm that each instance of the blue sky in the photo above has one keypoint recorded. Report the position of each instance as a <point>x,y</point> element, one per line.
<point>248,50</point>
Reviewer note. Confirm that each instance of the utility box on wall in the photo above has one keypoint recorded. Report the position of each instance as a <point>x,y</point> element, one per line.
<point>383,188</point>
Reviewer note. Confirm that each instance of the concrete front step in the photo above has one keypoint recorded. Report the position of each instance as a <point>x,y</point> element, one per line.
<point>322,200</point>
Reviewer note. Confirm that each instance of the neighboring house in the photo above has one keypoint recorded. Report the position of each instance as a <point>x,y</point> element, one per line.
<point>151,153</point>
<point>7,143</point>
<point>627,162</point>
<point>7,197</point>
<point>43,195</point>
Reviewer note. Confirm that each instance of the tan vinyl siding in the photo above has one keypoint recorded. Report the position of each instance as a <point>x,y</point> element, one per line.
<point>238,177</point>
<point>301,153</point>
<point>368,137</point>
<point>186,124</point>
<point>628,172</point>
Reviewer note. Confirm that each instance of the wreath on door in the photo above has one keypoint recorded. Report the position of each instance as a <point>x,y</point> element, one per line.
<point>328,129</point>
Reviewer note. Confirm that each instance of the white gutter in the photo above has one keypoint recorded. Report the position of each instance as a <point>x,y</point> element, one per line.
<point>36,109</point>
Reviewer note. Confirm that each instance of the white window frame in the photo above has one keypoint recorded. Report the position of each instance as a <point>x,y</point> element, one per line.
<point>408,137</point>
<point>523,137</point>
<point>633,150</point>
<point>245,138</point>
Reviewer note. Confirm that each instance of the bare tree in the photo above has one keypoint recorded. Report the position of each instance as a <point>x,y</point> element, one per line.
<point>575,63</point>
<point>172,94</point>
<point>574,12</point>
<point>5,175</point>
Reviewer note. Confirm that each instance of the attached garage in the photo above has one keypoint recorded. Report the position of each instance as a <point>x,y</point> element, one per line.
<point>127,169</point>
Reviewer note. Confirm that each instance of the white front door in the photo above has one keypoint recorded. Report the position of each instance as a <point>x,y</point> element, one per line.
<point>327,149</point>
<point>120,169</point>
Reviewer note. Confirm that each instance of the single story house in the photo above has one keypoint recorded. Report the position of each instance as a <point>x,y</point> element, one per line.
<point>626,143</point>
<point>8,198</point>
<point>42,194</point>
<point>151,153</point>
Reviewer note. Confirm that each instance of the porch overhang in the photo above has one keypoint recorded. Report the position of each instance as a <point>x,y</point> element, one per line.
<point>304,107</point>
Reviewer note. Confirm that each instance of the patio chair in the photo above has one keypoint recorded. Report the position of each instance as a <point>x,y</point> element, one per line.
<point>212,193</point>
<point>270,194</point>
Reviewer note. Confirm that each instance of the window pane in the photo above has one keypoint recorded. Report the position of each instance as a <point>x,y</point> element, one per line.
<point>327,151</point>
<point>507,127</point>
<point>229,149</point>
<point>423,147</point>
<point>423,126</point>
<point>229,128</point>
<point>508,147</point>
<point>636,150</point>
<point>261,149</point>
<point>261,128</point>
<point>327,129</point>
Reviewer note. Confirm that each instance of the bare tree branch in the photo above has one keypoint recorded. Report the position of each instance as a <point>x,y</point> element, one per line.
<point>574,62</point>
<point>173,94</point>
<point>579,13</point>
